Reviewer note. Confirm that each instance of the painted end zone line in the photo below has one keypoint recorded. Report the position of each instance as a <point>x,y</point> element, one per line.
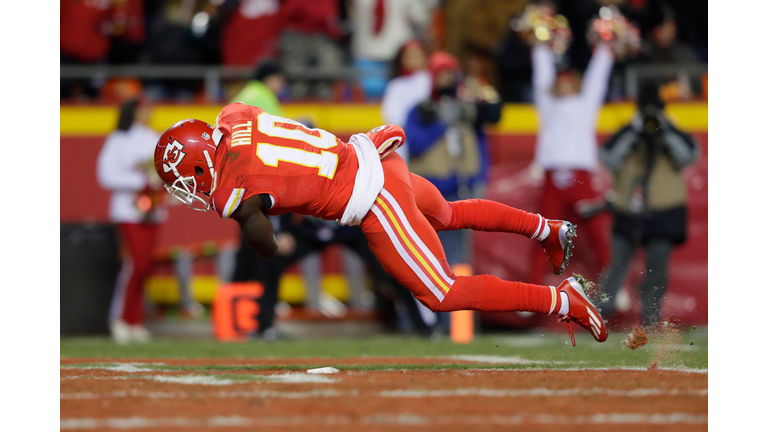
<point>381,419</point>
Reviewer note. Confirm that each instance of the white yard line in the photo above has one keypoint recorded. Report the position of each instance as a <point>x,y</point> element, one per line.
<point>382,419</point>
<point>398,393</point>
<point>223,379</point>
<point>409,393</point>
<point>194,379</point>
<point>220,394</point>
<point>299,378</point>
<point>290,378</point>
<point>121,367</point>
<point>500,359</point>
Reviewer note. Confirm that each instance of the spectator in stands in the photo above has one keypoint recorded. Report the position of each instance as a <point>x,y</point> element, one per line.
<point>646,157</point>
<point>663,46</point>
<point>410,84</point>
<point>264,89</point>
<point>250,31</point>
<point>83,41</point>
<point>309,42</point>
<point>126,168</point>
<point>182,33</point>
<point>447,142</point>
<point>566,147</point>
<point>380,29</point>
<point>127,31</point>
<point>477,30</point>
<point>514,64</point>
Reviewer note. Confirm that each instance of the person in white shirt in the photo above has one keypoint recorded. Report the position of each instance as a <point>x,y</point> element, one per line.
<point>125,167</point>
<point>381,27</point>
<point>411,84</point>
<point>567,150</point>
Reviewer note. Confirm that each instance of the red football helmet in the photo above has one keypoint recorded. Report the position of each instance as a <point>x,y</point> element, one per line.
<point>184,161</point>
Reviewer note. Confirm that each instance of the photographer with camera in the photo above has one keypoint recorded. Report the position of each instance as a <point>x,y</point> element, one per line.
<point>648,200</point>
<point>447,142</point>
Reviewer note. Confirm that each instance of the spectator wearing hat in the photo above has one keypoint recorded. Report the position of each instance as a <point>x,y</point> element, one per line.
<point>648,202</point>
<point>447,142</point>
<point>264,89</point>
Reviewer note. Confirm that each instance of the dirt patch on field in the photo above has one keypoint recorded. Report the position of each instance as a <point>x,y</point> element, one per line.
<point>121,394</point>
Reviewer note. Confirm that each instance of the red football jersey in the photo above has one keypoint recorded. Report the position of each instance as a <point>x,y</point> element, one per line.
<point>304,171</point>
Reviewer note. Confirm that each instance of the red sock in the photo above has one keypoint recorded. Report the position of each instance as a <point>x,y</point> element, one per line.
<point>486,215</point>
<point>491,294</point>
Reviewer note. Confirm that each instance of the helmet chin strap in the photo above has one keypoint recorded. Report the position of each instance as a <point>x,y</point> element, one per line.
<point>210,168</point>
<point>210,162</point>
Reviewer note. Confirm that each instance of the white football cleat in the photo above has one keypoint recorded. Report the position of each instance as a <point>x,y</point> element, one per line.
<point>120,331</point>
<point>140,334</point>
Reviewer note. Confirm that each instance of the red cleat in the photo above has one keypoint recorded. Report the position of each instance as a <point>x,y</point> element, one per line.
<point>559,244</point>
<point>581,310</point>
<point>386,138</point>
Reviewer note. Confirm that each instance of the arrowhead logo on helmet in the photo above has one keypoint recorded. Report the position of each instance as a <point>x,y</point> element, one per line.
<point>173,156</point>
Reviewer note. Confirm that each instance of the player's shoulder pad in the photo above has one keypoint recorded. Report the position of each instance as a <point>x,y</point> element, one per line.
<point>229,116</point>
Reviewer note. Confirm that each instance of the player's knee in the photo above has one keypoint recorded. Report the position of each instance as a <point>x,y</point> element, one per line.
<point>450,306</point>
<point>431,303</point>
<point>456,300</point>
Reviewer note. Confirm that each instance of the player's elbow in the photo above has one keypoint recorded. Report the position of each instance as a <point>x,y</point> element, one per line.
<point>268,254</point>
<point>265,251</point>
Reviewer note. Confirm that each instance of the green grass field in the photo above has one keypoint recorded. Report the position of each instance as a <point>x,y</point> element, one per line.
<point>686,350</point>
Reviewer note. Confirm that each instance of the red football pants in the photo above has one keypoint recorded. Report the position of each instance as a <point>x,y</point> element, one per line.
<point>559,201</point>
<point>401,229</point>
<point>128,299</point>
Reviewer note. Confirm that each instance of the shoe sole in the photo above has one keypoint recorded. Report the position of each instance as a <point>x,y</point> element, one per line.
<point>581,290</point>
<point>568,249</point>
<point>583,283</point>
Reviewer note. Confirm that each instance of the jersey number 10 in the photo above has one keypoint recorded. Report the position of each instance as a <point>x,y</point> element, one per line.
<point>273,154</point>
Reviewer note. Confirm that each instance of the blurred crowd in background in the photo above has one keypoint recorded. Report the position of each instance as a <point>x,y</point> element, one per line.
<point>347,50</point>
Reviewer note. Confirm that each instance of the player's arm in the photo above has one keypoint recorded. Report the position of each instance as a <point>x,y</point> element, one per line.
<point>255,227</point>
